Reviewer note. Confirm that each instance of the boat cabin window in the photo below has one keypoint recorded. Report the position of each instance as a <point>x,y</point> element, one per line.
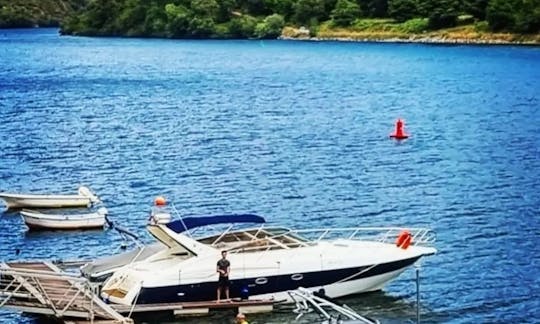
<point>256,240</point>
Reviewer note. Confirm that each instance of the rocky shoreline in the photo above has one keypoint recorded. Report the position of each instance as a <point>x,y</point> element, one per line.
<point>416,40</point>
<point>448,36</point>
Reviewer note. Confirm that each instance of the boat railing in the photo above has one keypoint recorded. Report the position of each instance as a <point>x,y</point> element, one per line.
<point>419,236</point>
<point>288,239</point>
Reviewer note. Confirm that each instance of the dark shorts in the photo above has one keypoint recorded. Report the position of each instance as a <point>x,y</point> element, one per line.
<point>224,282</point>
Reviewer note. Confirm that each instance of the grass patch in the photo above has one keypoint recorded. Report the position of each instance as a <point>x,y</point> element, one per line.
<point>414,30</point>
<point>417,30</point>
<point>414,26</point>
<point>375,29</point>
<point>380,26</point>
<point>373,25</point>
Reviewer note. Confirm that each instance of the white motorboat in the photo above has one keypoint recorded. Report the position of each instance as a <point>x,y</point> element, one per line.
<point>84,198</point>
<point>38,220</point>
<point>265,261</point>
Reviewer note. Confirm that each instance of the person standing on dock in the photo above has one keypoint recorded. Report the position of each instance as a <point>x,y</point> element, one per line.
<point>223,268</point>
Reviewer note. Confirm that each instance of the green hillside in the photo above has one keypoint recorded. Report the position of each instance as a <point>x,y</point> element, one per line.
<point>32,13</point>
<point>463,20</point>
<point>324,18</point>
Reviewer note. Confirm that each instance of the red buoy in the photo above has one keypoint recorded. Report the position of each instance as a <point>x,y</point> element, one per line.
<point>399,134</point>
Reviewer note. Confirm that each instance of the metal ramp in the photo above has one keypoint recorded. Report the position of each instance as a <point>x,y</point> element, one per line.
<point>42,288</point>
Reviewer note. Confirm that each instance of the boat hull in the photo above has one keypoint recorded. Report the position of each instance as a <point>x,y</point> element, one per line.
<point>84,198</point>
<point>41,221</point>
<point>13,201</point>
<point>337,283</point>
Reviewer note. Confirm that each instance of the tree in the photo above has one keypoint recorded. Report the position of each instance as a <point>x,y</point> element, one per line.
<point>244,18</point>
<point>201,27</point>
<point>178,18</point>
<point>527,17</point>
<point>205,8</point>
<point>499,15</point>
<point>377,8</point>
<point>442,18</point>
<point>132,17</point>
<point>427,7</point>
<point>99,18</point>
<point>256,7</point>
<point>282,7</point>
<point>441,13</point>
<point>155,23</point>
<point>243,27</point>
<point>345,13</point>
<point>15,17</point>
<point>225,9</point>
<point>477,8</point>
<point>403,10</point>
<point>270,27</point>
<point>307,11</point>
<point>329,5</point>
<point>43,13</point>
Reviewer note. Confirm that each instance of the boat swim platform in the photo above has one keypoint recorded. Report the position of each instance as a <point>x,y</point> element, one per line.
<point>42,288</point>
<point>200,308</point>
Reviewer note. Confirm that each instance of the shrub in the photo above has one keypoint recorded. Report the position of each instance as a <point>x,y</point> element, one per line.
<point>270,27</point>
<point>481,26</point>
<point>440,18</point>
<point>243,26</point>
<point>499,15</point>
<point>221,31</point>
<point>416,25</point>
<point>201,27</point>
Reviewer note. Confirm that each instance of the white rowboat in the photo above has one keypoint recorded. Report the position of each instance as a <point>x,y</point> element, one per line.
<point>84,198</point>
<point>37,220</point>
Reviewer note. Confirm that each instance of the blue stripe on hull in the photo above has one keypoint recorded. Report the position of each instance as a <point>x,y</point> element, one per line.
<point>207,290</point>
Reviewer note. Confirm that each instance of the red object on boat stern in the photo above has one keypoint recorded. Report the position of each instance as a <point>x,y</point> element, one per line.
<point>160,201</point>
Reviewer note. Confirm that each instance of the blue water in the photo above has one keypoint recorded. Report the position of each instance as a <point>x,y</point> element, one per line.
<point>297,132</point>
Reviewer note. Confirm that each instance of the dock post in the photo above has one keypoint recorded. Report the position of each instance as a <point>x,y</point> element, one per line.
<point>417,269</point>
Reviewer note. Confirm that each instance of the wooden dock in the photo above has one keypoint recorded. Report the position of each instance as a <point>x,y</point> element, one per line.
<point>41,288</point>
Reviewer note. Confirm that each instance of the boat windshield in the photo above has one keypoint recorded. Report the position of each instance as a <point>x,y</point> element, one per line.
<point>258,239</point>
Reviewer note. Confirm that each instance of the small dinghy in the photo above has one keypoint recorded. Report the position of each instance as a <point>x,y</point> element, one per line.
<point>84,198</point>
<point>37,220</point>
